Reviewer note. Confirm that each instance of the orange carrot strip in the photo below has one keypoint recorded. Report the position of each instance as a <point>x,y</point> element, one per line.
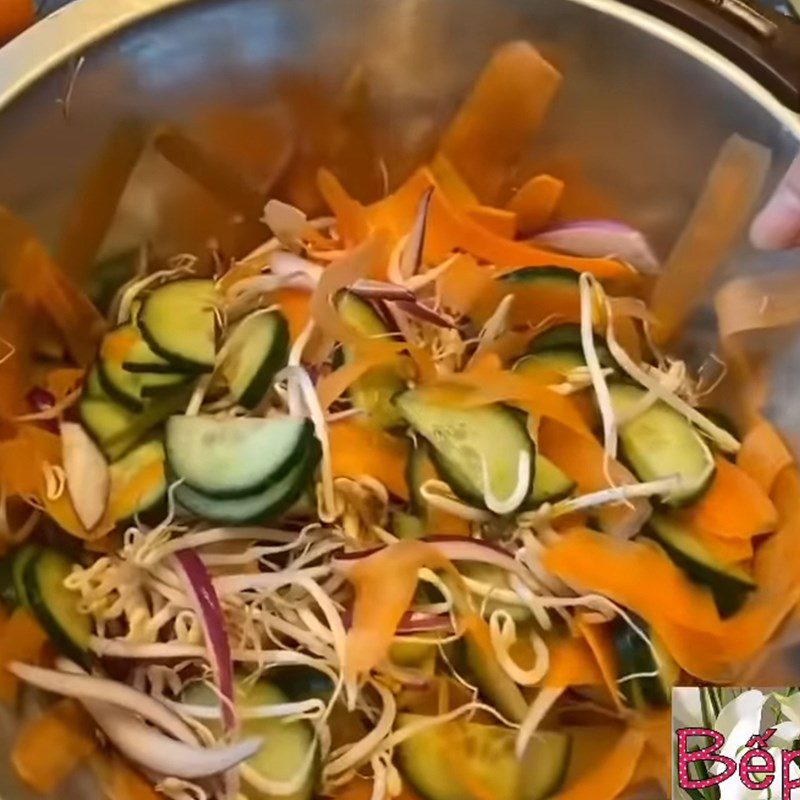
<point>25,266</point>
<point>296,307</point>
<point>63,381</point>
<point>517,87</point>
<point>535,202</point>
<point>451,183</point>
<point>717,221</point>
<point>452,229</point>
<point>351,217</point>
<point>469,289</point>
<point>93,208</point>
<point>23,458</point>
<point>395,214</point>
<point>497,220</point>
<point>63,513</point>
<point>728,551</point>
<point>655,762</point>
<point>119,780</point>
<point>763,454</point>
<point>17,326</point>
<point>21,639</point>
<point>627,571</point>
<point>363,450</point>
<point>15,17</point>
<point>336,383</point>
<point>599,641</point>
<point>535,305</point>
<point>611,774</point>
<point>384,585</point>
<point>572,663</point>
<point>50,747</point>
<point>734,507</point>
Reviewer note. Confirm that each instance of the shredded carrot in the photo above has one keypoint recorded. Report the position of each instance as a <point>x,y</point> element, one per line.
<point>119,780</point>
<point>599,640</point>
<point>583,459</point>
<point>763,454</point>
<point>535,202</point>
<point>384,584</point>
<point>727,551</point>
<point>655,762</point>
<point>62,381</point>
<point>395,214</point>
<point>296,307</point>
<point>451,229</point>
<point>572,663</point>
<point>534,305</point>
<point>92,212</point>
<point>23,459</point>
<point>451,183</point>
<point>125,497</point>
<point>517,87</point>
<point>26,267</point>
<point>63,513</point>
<point>364,450</point>
<point>50,747</point>
<point>21,639</point>
<point>719,217</point>
<point>734,507</point>
<point>497,220</point>
<point>469,289</point>
<point>17,326</point>
<point>15,17</point>
<point>437,521</point>
<point>611,773</point>
<point>351,217</point>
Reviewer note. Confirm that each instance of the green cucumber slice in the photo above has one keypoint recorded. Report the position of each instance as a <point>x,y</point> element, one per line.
<point>128,469</point>
<point>562,361</point>
<point>463,440</point>
<point>267,504</point>
<point>155,384</point>
<point>550,484</point>
<point>177,322</point>
<point>141,358</point>
<point>542,276</point>
<point>374,391</point>
<point>12,568</point>
<point>407,526</point>
<point>121,386</point>
<point>257,348</point>
<point>661,442</point>
<point>287,744</point>
<point>55,606</point>
<point>498,579</point>
<point>237,456</point>
<point>729,585</point>
<point>418,470</point>
<point>460,760</point>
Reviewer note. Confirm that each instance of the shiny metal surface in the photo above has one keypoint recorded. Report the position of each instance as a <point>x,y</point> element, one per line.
<point>642,112</point>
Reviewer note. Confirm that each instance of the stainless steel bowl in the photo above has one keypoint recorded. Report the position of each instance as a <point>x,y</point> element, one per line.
<point>644,107</point>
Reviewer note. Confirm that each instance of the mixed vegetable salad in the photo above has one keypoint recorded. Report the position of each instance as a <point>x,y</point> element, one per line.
<point>416,499</point>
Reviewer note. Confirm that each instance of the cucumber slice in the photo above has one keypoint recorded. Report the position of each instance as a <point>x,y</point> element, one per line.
<point>562,361</point>
<point>374,391</point>
<point>121,386</point>
<point>155,384</point>
<point>661,442</point>
<point>286,743</point>
<point>138,482</point>
<point>234,457</point>
<point>12,568</point>
<point>267,504</point>
<point>55,606</point>
<point>407,526</point>
<point>465,441</point>
<point>550,484</point>
<point>491,678</point>
<point>141,358</point>
<point>258,348</point>
<point>634,657</point>
<point>93,387</point>
<point>460,760</point>
<point>419,468</point>
<point>177,322</point>
<point>542,276</point>
<point>729,585</point>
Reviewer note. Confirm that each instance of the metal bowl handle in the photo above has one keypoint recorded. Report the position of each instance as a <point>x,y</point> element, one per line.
<point>762,42</point>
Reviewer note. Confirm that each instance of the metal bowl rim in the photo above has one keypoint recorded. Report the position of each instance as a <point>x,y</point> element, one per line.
<point>70,31</point>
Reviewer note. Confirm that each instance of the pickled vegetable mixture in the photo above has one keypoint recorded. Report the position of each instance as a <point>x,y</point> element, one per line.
<point>416,499</point>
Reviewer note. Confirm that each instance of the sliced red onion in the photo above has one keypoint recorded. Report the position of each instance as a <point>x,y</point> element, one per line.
<point>599,239</point>
<point>381,290</point>
<point>41,400</point>
<point>288,264</point>
<point>89,687</point>
<point>411,622</point>
<point>411,257</point>
<point>154,751</point>
<point>426,314</point>
<point>209,611</point>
